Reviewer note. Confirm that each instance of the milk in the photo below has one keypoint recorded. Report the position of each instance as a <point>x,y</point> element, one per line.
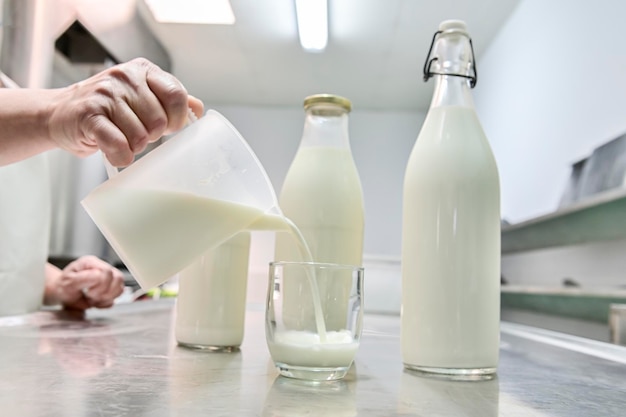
<point>301,348</point>
<point>157,233</point>
<point>322,195</point>
<point>175,229</point>
<point>451,246</point>
<point>210,309</point>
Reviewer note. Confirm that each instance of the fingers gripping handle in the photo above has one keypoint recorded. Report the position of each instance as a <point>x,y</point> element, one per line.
<point>113,171</point>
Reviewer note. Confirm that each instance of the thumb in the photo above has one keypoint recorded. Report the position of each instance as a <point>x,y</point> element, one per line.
<point>196,106</point>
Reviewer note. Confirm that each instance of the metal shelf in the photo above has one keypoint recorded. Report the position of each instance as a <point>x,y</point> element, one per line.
<point>602,217</point>
<point>590,304</point>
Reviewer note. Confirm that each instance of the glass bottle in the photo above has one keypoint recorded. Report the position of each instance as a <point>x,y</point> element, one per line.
<point>211,302</point>
<point>451,225</point>
<point>322,192</point>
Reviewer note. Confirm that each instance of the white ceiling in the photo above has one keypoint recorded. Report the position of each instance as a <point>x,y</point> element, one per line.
<point>375,54</point>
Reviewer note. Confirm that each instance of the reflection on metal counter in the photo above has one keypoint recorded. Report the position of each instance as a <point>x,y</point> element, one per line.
<point>125,362</point>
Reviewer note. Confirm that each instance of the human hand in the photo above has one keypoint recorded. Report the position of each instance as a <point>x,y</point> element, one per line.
<point>120,111</point>
<point>86,282</point>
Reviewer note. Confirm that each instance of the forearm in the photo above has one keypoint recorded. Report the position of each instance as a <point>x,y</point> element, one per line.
<point>119,111</point>
<point>24,123</point>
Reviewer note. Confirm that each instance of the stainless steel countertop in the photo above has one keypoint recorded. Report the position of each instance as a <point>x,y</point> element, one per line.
<point>124,362</point>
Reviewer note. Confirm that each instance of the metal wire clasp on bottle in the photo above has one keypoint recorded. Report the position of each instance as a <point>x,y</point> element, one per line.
<point>429,61</point>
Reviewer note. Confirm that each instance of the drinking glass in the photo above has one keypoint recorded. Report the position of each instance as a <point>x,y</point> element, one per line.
<point>314,318</point>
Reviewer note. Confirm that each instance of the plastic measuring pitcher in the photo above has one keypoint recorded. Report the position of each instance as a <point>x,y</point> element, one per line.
<point>186,196</point>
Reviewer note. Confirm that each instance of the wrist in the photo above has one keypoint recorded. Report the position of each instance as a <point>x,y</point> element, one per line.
<point>53,115</point>
<point>52,276</point>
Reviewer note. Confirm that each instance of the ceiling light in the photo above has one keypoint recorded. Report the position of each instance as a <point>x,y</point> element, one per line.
<point>312,18</point>
<point>212,12</point>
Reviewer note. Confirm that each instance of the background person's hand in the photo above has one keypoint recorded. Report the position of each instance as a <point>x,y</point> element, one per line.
<point>86,282</point>
<point>120,111</point>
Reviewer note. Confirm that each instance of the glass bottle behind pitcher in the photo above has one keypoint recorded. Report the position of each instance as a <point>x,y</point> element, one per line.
<point>322,191</point>
<point>211,303</point>
<point>451,225</point>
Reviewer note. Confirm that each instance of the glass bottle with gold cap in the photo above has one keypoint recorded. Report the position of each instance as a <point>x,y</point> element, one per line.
<point>322,191</point>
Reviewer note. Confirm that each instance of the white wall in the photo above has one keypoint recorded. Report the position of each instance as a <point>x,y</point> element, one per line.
<point>552,86</point>
<point>381,143</point>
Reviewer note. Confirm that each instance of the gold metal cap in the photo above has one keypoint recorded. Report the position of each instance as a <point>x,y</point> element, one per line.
<point>327,99</point>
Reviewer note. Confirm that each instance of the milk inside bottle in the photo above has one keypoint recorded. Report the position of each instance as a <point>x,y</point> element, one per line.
<point>322,191</point>
<point>451,226</point>
<point>211,302</point>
